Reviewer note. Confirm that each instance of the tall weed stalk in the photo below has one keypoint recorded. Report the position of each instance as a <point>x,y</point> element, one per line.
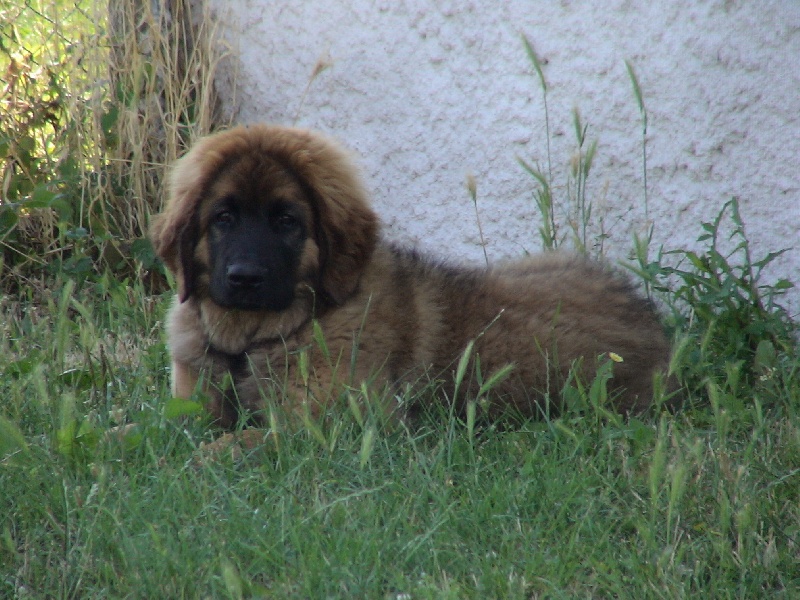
<point>577,219</point>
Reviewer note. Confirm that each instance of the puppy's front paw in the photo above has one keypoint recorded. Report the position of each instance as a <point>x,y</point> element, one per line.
<point>235,445</point>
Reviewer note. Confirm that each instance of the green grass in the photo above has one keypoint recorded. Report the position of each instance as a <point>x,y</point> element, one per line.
<point>703,502</point>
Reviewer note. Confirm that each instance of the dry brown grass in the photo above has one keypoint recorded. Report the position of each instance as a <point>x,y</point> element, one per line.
<point>99,98</point>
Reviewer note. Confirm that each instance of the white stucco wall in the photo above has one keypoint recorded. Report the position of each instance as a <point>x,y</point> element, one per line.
<point>427,91</point>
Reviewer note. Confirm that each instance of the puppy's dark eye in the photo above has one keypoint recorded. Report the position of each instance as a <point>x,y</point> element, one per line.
<point>285,222</point>
<point>223,217</point>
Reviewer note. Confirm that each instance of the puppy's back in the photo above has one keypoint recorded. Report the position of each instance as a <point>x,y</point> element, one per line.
<point>547,315</point>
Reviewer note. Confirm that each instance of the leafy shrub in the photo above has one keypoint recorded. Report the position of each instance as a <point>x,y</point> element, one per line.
<point>733,328</point>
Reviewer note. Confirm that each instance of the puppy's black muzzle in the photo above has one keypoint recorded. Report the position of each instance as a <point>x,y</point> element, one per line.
<point>246,284</point>
<point>253,259</point>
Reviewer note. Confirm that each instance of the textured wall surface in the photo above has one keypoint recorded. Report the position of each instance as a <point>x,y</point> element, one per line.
<point>427,91</point>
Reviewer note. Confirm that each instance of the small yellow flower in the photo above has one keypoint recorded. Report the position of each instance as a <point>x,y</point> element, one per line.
<point>615,357</point>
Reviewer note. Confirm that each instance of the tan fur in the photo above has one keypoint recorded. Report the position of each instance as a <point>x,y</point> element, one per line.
<point>410,318</point>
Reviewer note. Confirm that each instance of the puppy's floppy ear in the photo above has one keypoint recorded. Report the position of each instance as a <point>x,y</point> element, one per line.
<point>348,238</point>
<point>174,242</point>
<point>347,227</point>
<point>175,231</point>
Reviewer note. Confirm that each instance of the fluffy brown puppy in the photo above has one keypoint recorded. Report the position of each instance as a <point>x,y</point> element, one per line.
<point>285,291</point>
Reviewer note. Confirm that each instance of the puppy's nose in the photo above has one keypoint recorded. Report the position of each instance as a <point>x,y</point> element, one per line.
<point>245,275</point>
